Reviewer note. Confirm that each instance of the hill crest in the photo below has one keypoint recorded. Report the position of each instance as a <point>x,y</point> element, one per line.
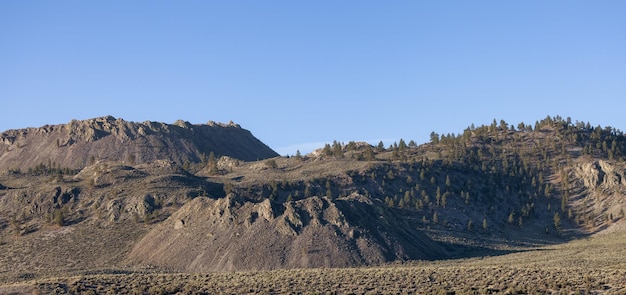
<point>80,143</point>
<point>487,191</point>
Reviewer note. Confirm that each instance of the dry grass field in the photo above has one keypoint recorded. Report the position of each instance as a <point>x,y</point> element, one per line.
<point>595,265</point>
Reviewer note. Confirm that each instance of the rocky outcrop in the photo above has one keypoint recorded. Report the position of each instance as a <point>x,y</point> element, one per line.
<point>233,234</point>
<point>602,187</point>
<point>80,143</point>
<point>601,174</point>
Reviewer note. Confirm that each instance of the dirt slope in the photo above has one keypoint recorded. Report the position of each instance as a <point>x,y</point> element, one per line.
<point>232,234</point>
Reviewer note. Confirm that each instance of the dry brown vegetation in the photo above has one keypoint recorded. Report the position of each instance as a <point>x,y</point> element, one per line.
<point>596,265</point>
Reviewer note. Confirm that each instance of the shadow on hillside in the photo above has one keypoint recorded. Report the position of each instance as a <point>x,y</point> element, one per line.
<point>459,251</point>
<point>497,246</point>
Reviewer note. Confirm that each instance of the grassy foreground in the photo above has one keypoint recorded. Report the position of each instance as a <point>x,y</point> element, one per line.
<point>396,280</point>
<point>596,265</point>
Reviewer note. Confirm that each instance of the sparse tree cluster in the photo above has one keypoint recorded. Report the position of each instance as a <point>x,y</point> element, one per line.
<point>484,167</point>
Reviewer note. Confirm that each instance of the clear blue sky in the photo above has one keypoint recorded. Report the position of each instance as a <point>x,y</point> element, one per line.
<point>301,73</point>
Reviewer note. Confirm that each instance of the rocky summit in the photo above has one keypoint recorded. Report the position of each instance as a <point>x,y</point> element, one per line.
<point>80,143</point>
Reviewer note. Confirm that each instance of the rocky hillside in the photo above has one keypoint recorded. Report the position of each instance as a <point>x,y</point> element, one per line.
<point>235,234</point>
<point>158,215</point>
<point>600,199</point>
<point>549,182</point>
<point>489,190</point>
<point>80,143</point>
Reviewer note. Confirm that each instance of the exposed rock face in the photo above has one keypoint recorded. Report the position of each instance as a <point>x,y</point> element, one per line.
<point>603,187</point>
<point>601,174</point>
<point>79,143</point>
<point>232,234</point>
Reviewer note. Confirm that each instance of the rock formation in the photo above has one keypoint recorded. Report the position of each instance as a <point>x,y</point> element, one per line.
<point>233,234</point>
<point>80,143</point>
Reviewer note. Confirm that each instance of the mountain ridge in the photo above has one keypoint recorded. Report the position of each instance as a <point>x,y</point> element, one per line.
<point>79,143</point>
<point>491,190</point>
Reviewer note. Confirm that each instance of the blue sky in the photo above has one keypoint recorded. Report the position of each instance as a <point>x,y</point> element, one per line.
<point>298,74</point>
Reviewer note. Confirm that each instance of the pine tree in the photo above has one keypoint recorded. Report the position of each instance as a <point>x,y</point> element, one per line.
<point>557,221</point>
<point>329,192</point>
<point>212,164</point>
<point>59,218</point>
<point>444,199</point>
<point>434,137</point>
<point>425,197</point>
<point>337,149</point>
<point>368,153</point>
<point>327,151</point>
<point>402,145</point>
